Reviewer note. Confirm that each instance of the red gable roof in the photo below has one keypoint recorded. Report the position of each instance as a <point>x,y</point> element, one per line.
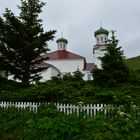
<point>62,54</point>
<point>90,66</point>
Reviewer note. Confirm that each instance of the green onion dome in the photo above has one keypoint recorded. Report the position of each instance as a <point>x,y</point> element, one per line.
<point>62,40</point>
<point>101,31</point>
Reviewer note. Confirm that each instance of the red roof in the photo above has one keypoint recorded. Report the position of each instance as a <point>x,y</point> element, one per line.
<point>90,66</point>
<point>62,54</point>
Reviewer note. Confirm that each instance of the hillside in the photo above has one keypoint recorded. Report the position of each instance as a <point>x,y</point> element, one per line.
<point>133,63</point>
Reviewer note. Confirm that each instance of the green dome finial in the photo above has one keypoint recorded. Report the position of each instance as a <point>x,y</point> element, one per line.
<point>62,39</point>
<point>101,31</point>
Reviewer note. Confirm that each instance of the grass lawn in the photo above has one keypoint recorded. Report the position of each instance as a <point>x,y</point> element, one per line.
<point>133,63</point>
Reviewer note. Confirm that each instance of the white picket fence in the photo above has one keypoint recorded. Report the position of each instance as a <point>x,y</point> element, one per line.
<point>33,106</point>
<point>90,109</point>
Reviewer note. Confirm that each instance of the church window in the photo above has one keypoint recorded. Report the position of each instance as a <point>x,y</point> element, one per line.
<point>102,39</point>
<point>106,39</point>
<point>61,46</point>
<point>89,76</point>
<point>64,46</point>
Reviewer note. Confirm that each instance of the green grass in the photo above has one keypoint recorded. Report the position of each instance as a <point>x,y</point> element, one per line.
<point>133,63</point>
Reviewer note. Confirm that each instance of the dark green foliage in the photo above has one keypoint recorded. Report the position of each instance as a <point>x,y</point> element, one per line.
<point>101,77</point>
<point>67,77</point>
<point>113,65</point>
<point>75,76</point>
<point>112,83</point>
<point>71,90</point>
<point>50,124</point>
<point>22,40</point>
<point>78,76</point>
<point>137,73</point>
<point>9,85</point>
<point>59,90</point>
<point>12,123</point>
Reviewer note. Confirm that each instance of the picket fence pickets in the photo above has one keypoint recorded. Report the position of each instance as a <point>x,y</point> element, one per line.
<point>90,109</point>
<point>33,106</point>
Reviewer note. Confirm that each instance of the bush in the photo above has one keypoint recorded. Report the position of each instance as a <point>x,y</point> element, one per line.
<point>112,83</point>
<point>50,124</point>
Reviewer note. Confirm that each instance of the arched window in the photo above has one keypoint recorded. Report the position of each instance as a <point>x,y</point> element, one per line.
<point>64,47</point>
<point>89,76</point>
<point>102,39</point>
<point>61,46</point>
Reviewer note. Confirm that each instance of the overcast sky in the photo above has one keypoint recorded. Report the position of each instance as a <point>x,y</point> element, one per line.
<point>78,19</point>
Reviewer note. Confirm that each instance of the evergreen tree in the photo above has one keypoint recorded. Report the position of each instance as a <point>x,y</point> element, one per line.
<point>22,40</point>
<point>113,65</point>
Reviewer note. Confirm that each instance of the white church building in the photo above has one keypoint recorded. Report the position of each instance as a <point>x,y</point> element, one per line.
<point>62,61</point>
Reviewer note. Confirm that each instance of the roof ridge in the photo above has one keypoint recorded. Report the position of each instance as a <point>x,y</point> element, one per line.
<point>63,54</point>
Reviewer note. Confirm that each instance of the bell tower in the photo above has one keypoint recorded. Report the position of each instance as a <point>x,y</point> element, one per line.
<point>101,37</point>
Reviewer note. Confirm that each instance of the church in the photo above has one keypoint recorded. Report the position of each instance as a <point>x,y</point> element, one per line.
<point>61,61</point>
